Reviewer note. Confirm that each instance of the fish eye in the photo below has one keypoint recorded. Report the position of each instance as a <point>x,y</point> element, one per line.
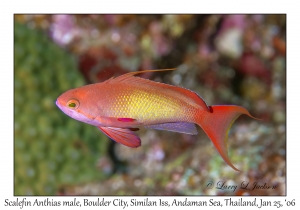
<point>73,104</point>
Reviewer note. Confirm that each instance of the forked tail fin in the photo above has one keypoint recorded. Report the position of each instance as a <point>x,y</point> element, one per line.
<point>217,123</point>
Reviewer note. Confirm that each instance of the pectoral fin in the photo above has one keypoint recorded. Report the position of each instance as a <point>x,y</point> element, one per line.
<point>126,119</point>
<point>180,127</point>
<point>117,122</point>
<point>122,135</point>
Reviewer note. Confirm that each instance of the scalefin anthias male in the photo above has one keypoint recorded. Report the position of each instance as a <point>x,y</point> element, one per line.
<point>120,105</point>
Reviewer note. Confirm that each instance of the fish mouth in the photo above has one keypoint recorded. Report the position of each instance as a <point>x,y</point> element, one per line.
<point>64,109</point>
<point>57,103</point>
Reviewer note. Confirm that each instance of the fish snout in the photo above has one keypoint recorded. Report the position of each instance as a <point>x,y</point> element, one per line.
<point>58,104</point>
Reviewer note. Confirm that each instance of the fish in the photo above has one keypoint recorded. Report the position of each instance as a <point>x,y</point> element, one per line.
<point>120,106</point>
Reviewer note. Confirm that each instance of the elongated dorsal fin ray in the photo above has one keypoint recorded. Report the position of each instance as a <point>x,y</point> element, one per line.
<point>130,74</point>
<point>154,70</point>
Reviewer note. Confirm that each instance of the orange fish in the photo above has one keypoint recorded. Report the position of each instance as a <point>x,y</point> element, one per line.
<point>120,105</point>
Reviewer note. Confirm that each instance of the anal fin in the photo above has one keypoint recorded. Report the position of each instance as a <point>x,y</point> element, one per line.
<point>180,127</point>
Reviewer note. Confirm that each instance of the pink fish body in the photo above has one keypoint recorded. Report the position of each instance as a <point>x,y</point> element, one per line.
<point>120,105</point>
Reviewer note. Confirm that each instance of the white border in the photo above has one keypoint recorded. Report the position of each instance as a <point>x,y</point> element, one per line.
<point>8,8</point>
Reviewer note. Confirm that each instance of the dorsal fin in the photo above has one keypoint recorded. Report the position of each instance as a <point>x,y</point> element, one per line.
<point>184,93</point>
